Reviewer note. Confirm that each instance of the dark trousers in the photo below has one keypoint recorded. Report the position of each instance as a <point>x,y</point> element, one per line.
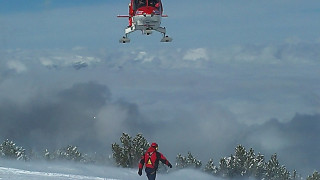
<point>151,176</point>
<point>151,173</point>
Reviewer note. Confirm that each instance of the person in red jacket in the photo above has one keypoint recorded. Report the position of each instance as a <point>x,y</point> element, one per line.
<point>151,159</point>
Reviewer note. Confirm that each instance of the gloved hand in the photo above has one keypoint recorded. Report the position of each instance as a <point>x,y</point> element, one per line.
<point>140,172</point>
<point>169,165</point>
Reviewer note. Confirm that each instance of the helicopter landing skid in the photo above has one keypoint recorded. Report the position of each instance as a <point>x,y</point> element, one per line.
<point>166,39</point>
<point>124,40</point>
<point>131,29</point>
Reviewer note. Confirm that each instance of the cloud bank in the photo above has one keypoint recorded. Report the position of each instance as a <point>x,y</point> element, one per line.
<point>83,115</point>
<point>202,100</point>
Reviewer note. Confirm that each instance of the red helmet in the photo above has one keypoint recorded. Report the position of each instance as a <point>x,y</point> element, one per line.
<point>155,145</point>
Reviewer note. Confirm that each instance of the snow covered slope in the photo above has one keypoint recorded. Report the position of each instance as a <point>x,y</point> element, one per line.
<point>12,173</point>
<point>67,171</point>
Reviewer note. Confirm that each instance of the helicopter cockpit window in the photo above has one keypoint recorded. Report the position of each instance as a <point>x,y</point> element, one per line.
<point>154,3</point>
<point>140,3</point>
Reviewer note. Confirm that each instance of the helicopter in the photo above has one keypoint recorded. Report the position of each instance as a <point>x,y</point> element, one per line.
<point>145,15</point>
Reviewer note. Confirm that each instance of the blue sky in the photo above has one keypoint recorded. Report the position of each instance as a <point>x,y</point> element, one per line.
<point>250,68</point>
<point>210,23</point>
<point>16,6</point>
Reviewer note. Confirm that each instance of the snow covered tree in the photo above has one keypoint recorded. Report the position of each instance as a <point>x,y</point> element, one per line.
<point>187,162</point>
<point>70,153</point>
<point>139,147</point>
<point>129,154</point>
<point>260,170</point>
<point>274,171</point>
<point>242,165</point>
<point>117,154</point>
<point>232,169</point>
<point>126,141</point>
<point>211,168</point>
<point>8,149</point>
<point>180,161</point>
<point>21,154</point>
<point>296,176</point>
<point>193,162</point>
<point>250,163</point>
<point>237,165</point>
<point>47,155</point>
<point>223,170</point>
<point>314,176</point>
<point>240,159</point>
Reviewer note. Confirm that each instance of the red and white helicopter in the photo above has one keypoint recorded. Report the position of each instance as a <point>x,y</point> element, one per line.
<point>145,15</point>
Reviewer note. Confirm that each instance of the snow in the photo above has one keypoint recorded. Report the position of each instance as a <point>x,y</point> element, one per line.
<point>9,173</point>
<point>69,171</point>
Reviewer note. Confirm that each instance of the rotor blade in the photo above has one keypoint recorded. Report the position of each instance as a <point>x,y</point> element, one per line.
<point>123,16</point>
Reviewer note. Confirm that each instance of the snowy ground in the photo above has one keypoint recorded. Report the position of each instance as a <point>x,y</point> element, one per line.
<point>67,171</point>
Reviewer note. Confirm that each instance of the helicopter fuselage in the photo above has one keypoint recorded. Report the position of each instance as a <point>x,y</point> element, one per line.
<point>146,18</point>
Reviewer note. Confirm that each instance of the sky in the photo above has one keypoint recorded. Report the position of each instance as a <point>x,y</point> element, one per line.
<point>237,72</point>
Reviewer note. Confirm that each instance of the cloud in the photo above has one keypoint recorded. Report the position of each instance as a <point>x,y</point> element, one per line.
<point>16,66</point>
<point>196,54</point>
<point>293,141</point>
<point>82,115</point>
<point>285,54</point>
<point>144,57</point>
<point>10,66</point>
<point>68,60</point>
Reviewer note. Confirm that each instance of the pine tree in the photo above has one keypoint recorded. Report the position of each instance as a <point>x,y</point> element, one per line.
<point>126,141</point>
<point>193,162</point>
<point>260,169</point>
<point>70,153</point>
<point>274,171</point>
<point>250,163</point>
<point>139,147</point>
<point>234,165</point>
<point>129,154</point>
<point>47,155</point>
<point>240,159</point>
<point>242,165</point>
<point>187,162</point>
<point>314,176</point>
<point>296,176</point>
<point>21,154</point>
<point>180,162</point>
<point>8,149</point>
<point>224,167</point>
<point>117,154</point>
<point>231,164</point>
<point>210,168</point>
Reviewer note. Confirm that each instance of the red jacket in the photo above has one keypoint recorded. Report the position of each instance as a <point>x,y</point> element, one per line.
<point>151,158</point>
